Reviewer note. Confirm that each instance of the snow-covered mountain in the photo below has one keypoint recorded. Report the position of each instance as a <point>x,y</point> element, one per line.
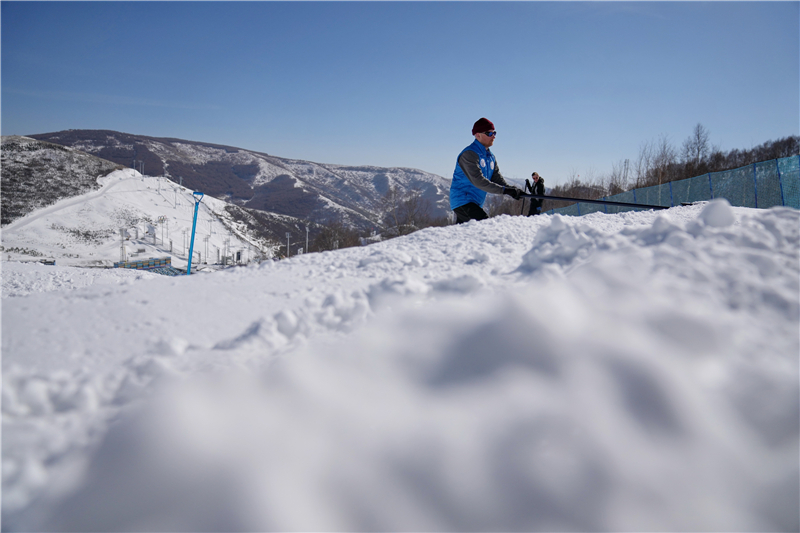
<point>57,186</point>
<point>629,372</point>
<point>314,192</point>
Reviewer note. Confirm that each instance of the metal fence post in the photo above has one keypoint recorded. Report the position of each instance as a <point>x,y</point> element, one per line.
<point>755,185</point>
<point>671,200</point>
<point>780,180</point>
<point>710,187</point>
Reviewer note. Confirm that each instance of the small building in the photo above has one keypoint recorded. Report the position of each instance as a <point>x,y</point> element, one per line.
<point>161,266</point>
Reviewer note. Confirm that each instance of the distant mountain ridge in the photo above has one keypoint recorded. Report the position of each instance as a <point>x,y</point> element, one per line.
<point>36,174</point>
<point>304,190</point>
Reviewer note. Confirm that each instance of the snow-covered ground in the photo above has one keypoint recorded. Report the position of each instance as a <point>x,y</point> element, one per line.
<point>609,372</point>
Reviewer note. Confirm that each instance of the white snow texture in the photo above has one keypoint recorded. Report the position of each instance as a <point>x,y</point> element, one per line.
<point>600,373</point>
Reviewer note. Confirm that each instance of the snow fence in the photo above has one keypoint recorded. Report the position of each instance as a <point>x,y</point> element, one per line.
<point>760,185</point>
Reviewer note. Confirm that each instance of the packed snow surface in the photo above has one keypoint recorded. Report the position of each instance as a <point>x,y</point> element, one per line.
<point>608,372</point>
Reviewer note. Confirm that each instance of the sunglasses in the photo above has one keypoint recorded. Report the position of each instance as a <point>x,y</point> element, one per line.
<point>490,133</point>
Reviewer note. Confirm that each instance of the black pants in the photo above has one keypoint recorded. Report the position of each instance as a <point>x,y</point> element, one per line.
<point>470,211</point>
<point>535,208</point>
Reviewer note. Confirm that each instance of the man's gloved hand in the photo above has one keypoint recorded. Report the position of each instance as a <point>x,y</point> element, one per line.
<point>513,192</point>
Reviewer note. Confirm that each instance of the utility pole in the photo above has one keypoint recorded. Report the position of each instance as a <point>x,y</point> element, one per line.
<point>306,250</point>
<point>287,243</point>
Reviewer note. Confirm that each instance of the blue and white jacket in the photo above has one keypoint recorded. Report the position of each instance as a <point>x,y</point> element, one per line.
<point>475,175</point>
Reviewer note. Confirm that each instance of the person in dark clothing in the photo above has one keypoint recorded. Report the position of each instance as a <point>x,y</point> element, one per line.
<point>477,174</point>
<point>536,188</point>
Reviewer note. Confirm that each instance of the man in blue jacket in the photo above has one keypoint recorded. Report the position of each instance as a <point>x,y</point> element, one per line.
<point>477,174</point>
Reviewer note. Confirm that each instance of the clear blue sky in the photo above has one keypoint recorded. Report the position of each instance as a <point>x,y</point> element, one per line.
<point>572,87</point>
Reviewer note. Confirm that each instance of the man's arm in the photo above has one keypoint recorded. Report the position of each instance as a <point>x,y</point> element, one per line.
<point>497,177</point>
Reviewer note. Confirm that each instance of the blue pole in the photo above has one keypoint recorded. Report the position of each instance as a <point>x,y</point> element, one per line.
<point>198,197</point>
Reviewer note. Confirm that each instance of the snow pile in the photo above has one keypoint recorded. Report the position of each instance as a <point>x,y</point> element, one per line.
<point>610,372</point>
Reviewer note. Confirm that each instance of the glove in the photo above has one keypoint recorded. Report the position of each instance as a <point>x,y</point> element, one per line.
<point>513,192</point>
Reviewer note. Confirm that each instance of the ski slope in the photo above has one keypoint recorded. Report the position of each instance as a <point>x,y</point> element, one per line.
<point>608,372</point>
<point>155,213</point>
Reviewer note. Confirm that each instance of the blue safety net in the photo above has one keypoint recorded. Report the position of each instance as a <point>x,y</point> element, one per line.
<point>571,210</point>
<point>697,189</point>
<point>768,185</point>
<point>737,186</point>
<point>789,170</point>
<point>627,197</point>
<point>763,185</point>
<point>591,208</point>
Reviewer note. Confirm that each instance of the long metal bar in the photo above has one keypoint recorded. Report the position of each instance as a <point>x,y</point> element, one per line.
<point>584,200</point>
